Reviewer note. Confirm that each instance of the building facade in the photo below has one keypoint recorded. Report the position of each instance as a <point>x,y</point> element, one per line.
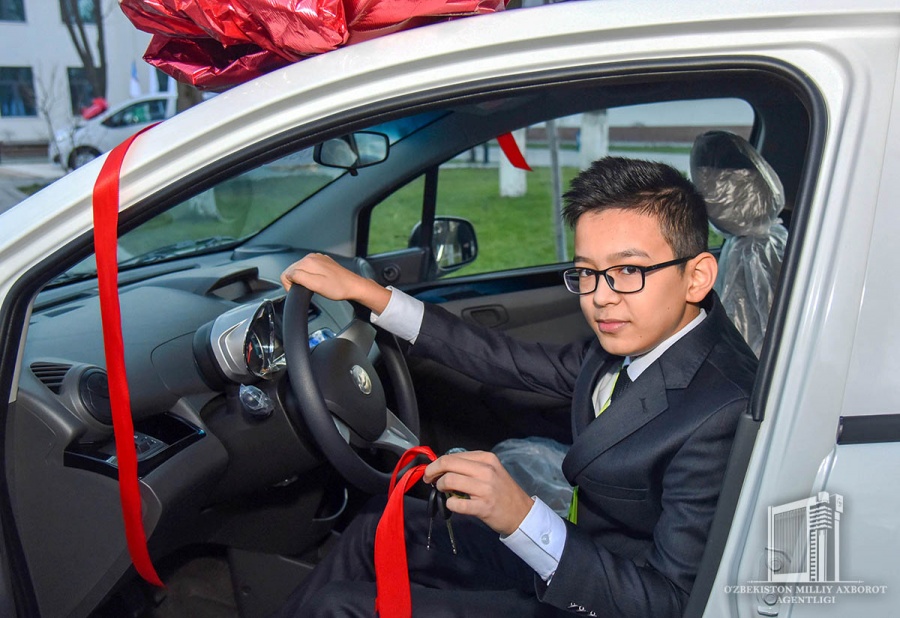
<point>42,82</point>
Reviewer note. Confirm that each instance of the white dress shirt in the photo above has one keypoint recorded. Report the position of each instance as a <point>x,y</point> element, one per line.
<point>541,536</point>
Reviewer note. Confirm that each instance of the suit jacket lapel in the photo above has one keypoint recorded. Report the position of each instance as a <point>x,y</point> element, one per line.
<point>636,407</point>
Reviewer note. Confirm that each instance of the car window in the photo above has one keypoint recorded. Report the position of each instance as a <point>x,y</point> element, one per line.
<point>156,110</point>
<point>222,215</point>
<point>139,113</point>
<point>395,218</point>
<point>514,212</point>
<point>234,209</point>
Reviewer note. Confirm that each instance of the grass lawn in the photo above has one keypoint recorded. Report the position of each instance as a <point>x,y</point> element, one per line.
<point>512,231</point>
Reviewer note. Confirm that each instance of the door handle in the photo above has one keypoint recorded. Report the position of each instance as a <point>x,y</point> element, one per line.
<point>490,316</point>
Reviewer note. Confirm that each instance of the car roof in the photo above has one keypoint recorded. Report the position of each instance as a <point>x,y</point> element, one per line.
<point>523,41</point>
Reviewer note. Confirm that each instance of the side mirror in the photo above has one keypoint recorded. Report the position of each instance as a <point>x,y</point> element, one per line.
<point>353,151</point>
<point>453,243</point>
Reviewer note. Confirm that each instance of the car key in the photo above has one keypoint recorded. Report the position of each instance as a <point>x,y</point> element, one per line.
<point>431,513</point>
<point>437,505</point>
<point>450,529</point>
<point>446,514</point>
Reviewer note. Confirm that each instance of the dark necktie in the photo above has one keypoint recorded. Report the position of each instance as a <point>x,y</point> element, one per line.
<point>622,381</point>
<point>622,384</point>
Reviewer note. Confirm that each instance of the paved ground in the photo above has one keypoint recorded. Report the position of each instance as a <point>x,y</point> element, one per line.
<point>15,174</point>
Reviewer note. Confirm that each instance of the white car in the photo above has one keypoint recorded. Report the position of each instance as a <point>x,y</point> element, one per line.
<point>244,477</point>
<point>86,140</point>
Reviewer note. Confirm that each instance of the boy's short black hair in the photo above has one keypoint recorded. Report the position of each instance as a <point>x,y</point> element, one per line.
<point>647,187</point>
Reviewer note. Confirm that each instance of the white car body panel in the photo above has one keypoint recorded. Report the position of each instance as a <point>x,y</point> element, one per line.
<point>838,354</point>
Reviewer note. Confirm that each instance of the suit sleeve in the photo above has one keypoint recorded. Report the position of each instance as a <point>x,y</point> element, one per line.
<point>592,579</point>
<point>497,359</point>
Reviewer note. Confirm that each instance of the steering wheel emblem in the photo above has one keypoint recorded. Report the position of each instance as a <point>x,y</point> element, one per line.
<point>362,379</point>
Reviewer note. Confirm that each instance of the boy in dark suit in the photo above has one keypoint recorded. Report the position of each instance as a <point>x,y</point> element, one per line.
<point>656,397</point>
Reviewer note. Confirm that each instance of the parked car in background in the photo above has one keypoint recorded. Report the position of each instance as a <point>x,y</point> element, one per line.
<point>86,140</point>
<point>241,480</point>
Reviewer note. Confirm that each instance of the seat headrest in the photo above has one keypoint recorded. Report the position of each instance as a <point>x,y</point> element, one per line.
<point>743,193</point>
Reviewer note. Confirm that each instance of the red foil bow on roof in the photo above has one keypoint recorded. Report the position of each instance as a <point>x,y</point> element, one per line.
<point>213,44</point>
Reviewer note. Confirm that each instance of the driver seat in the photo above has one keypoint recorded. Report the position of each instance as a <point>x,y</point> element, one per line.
<point>743,199</point>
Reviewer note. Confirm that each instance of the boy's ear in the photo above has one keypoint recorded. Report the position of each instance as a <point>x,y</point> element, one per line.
<point>701,271</point>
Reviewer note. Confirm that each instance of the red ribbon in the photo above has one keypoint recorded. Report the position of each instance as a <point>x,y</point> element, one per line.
<point>511,149</point>
<point>106,221</point>
<point>393,599</point>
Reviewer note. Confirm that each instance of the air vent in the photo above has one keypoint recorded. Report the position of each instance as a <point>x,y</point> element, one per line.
<point>93,389</point>
<point>51,374</point>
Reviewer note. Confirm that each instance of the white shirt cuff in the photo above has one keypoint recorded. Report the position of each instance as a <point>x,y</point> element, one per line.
<point>539,539</point>
<point>402,316</point>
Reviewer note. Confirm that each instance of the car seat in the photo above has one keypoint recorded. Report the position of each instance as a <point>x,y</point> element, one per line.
<point>743,199</point>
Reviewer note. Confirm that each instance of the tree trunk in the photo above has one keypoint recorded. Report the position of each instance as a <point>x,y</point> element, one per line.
<point>95,72</point>
<point>188,96</point>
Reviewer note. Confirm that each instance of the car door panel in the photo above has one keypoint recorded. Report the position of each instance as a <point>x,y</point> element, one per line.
<point>549,314</point>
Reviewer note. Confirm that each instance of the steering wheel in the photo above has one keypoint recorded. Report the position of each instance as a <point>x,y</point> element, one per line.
<point>341,397</point>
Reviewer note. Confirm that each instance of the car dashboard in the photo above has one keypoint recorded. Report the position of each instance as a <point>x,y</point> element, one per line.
<point>219,441</point>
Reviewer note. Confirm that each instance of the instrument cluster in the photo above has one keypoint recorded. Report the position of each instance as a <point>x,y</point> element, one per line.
<point>247,341</point>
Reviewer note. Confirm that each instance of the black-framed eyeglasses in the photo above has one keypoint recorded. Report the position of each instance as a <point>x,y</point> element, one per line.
<point>624,279</point>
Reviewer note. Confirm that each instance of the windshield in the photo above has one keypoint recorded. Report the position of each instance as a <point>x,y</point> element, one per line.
<point>233,211</point>
<point>229,212</point>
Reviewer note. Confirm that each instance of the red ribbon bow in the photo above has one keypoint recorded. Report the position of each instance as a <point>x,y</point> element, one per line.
<point>393,598</point>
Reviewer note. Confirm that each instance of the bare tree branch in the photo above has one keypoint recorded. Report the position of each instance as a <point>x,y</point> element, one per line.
<point>45,101</point>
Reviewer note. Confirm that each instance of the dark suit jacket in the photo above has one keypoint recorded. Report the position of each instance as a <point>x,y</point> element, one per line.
<point>649,469</point>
